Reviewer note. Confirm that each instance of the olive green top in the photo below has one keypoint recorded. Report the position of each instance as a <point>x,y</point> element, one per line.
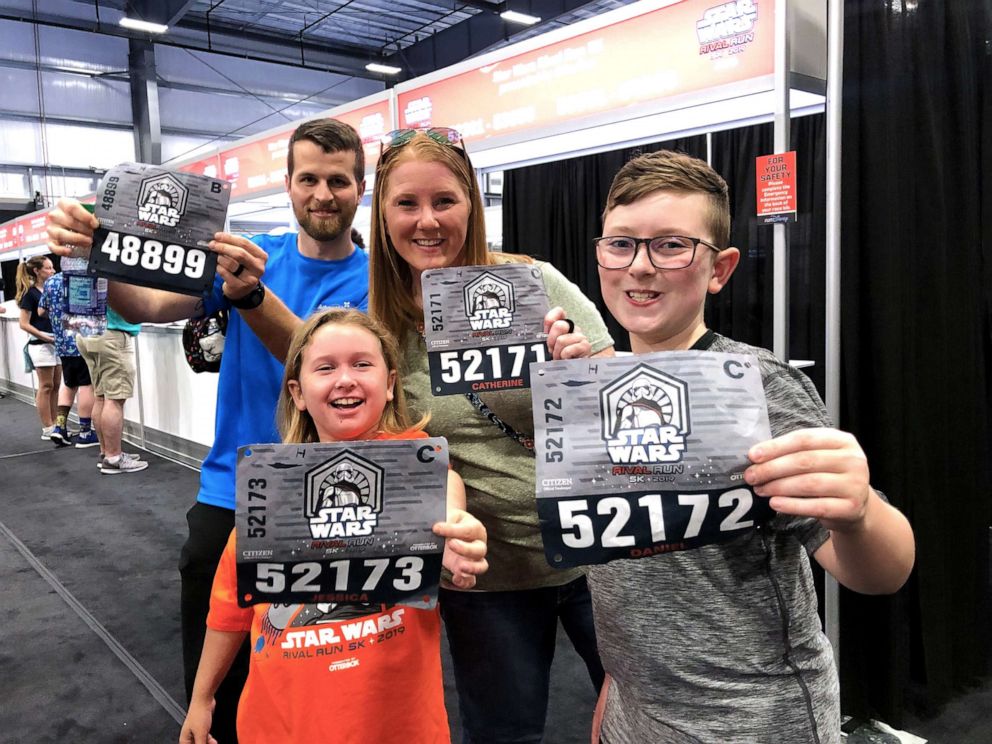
<point>498,471</point>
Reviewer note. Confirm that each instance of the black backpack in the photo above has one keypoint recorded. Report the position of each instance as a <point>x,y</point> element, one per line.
<point>203,341</point>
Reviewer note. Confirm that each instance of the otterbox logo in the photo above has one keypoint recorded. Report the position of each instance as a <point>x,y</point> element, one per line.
<point>645,417</point>
<point>343,497</point>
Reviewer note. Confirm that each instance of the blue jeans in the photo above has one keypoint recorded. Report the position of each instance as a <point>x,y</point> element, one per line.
<point>502,645</point>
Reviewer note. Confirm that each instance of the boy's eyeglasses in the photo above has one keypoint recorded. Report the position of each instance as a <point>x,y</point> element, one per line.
<point>441,135</point>
<point>665,252</point>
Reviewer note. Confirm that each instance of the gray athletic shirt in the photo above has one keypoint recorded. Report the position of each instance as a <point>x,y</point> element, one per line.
<point>723,644</point>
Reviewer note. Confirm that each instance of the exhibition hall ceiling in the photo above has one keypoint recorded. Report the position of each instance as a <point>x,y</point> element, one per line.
<point>340,36</point>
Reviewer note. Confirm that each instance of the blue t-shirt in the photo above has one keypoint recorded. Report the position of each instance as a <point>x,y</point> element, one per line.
<point>250,377</point>
<point>51,300</point>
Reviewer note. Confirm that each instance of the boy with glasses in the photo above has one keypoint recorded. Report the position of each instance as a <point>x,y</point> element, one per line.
<point>723,643</point>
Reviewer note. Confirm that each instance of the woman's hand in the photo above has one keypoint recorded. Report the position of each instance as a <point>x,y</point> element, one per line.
<point>565,339</point>
<point>464,547</point>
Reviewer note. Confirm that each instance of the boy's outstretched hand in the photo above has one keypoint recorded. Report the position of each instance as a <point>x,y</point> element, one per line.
<point>464,547</point>
<point>821,473</point>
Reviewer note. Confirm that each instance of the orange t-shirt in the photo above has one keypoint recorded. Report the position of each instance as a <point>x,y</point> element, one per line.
<point>335,673</point>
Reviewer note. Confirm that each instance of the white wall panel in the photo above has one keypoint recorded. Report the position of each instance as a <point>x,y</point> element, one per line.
<point>98,99</point>
<point>20,88</point>
<point>223,113</point>
<point>13,339</point>
<point>16,41</point>
<point>175,400</point>
<point>14,185</point>
<point>20,141</point>
<point>60,47</point>
<point>81,50</point>
<point>180,147</point>
<point>85,147</point>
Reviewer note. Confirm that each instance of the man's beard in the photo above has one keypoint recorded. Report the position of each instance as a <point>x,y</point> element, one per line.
<point>325,229</point>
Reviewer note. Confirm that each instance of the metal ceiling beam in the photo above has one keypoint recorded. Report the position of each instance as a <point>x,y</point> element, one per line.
<point>470,37</point>
<point>167,12</point>
<point>144,102</point>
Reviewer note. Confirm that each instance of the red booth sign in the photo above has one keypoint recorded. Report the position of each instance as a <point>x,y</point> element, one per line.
<point>775,177</point>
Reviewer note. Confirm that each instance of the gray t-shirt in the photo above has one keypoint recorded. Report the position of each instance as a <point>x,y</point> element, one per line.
<point>723,643</point>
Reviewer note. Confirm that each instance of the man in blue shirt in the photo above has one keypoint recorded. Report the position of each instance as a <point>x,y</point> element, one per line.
<point>315,268</point>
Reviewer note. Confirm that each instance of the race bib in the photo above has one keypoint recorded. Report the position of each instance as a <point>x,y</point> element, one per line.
<point>344,522</point>
<point>155,225</point>
<point>639,455</point>
<point>484,326</point>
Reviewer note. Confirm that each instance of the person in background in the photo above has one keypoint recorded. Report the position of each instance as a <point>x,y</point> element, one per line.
<point>318,267</point>
<point>31,276</point>
<point>723,643</point>
<point>110,360</point>
<point>75,372</point>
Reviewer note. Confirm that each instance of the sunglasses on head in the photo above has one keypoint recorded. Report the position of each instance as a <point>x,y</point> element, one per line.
<point>442,135</point>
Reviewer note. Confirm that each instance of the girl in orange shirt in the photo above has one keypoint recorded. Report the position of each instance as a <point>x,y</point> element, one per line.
<point>303,685</point>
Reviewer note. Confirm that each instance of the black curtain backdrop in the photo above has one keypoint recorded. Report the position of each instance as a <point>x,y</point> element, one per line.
<point>917,223</point>
<point>916,310</point>
<point>744,309</point>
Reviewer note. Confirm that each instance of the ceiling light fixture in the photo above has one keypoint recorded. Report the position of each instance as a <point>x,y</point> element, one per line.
<point>139,25</point>
<point>384,69</point>
<point>522,18</point>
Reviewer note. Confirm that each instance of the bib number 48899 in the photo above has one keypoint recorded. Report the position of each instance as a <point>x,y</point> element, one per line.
<point>152,255</point>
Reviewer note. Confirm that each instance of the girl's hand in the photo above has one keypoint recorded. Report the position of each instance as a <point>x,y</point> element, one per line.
<point>70,229</point>
<point>47,338</point>
<point>196,727</point>
<point>821,473</point>
<point>240,263</point>
<point>464,547</point>
<point>565,339</point>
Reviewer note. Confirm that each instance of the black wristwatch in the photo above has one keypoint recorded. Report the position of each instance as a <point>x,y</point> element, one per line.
<point>251,300</point>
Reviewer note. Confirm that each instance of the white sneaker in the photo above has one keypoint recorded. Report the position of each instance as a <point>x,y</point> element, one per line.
<point>126,455</point>
<point>123,465</point>
<point>46,432</point>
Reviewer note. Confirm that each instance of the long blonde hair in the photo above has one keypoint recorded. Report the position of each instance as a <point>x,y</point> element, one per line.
<point>27,274</point>
<point>391,292</point>
<point>296,426</point>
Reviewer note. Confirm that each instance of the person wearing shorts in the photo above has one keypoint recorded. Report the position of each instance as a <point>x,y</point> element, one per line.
<point>110,359</point>
<point>31,276</point>
<point>75,373</point>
